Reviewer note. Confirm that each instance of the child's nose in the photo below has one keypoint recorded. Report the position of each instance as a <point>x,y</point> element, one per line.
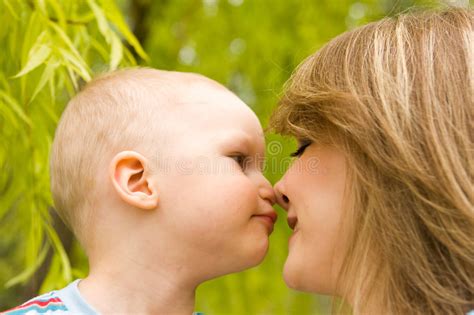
<point>266,191</point>
<point>268,194</point>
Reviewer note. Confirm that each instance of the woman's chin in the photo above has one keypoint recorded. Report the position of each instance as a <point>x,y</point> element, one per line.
<point>295,277</point>
<point>290,276</point>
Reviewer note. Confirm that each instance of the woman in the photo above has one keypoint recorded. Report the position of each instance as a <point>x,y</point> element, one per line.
<point>381,195</point>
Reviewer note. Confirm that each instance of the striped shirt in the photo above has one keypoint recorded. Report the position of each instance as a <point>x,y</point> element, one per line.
<point>65,301</point>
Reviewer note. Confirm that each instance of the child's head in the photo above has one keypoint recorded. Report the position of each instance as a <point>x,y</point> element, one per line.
<point>165,164</point>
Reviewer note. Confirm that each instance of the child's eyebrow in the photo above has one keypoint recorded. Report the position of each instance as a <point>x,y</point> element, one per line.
<point>240,137</point>
<point>237,138</point>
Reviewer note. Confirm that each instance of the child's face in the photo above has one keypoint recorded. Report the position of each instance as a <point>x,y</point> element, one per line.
<point>215,205</point>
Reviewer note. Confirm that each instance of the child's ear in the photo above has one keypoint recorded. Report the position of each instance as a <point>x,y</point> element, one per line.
<point>130,177</point>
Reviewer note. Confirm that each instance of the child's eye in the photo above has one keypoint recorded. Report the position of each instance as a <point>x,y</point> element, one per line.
<point>303,145</point>
<point>240,159</point>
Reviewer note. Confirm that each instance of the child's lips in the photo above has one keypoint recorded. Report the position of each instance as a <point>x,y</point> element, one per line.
<point>269,218</point>
<point>270,214</point>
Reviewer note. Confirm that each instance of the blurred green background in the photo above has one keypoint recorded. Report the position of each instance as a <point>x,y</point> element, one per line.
<point>50,47</point>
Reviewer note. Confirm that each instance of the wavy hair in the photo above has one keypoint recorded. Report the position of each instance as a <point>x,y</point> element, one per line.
<point>397,96</point>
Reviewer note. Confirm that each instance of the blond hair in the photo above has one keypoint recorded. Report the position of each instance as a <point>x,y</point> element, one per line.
<point>397,96</point>
<point>120,110</point>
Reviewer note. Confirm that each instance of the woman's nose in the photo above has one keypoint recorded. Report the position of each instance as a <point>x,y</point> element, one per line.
<point>281,198</point>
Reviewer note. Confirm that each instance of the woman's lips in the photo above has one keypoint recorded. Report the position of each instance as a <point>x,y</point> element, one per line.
<point>292,221</point>
<point>293,224</point>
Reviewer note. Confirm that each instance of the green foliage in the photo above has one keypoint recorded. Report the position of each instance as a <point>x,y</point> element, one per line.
<point>49,47</point>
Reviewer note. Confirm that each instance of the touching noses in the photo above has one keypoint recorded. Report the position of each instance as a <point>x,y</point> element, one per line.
<point>267,193</point>
<point>281,197</point>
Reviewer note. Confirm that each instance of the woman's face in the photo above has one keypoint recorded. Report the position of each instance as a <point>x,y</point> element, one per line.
<point>312,191</point>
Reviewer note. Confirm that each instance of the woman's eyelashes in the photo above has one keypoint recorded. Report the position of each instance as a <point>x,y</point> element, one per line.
<point>304,144</point>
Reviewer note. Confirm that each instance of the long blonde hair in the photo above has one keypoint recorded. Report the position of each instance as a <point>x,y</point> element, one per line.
<point>397,96</point>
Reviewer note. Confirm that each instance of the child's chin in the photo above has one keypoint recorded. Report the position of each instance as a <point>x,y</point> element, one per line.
<point>258,259</point>
<point>258,254</point>
<point>253,255</point>
<point>248,257</point>
<point>245,264</point>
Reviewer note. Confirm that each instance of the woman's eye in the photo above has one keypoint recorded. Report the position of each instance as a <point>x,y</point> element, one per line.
<point>304,144</point>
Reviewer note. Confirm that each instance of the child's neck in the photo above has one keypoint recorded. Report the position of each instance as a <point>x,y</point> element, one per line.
<point>112,287</point>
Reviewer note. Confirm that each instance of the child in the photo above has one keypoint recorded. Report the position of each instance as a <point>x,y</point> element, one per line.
<point>159,176</point>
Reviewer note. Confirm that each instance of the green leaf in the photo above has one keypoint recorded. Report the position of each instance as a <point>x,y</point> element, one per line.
<point>101,19</point>
<point>58,12</point>
<point>34,33</point>
<point>41,5</point>
<point>53,279</point>
<point>10,120</point>
<point>99,48</point>
<point>77,64</point>
<point>48,73</point>
<point>129,58</point>
<point>10,9</point>
<point>73,55</point>
<point>29,271</point>
<point>116,52</point>
<point>58,246</point>
<point>36,57</point>
<point>113,13</point>
<point>13,104</point>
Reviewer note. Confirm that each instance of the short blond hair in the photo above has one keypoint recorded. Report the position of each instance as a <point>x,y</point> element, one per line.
<point>397,96</point>
<point>117,111</point>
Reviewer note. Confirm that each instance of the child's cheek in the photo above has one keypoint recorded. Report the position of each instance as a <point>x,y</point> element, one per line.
<point>244,195</point>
